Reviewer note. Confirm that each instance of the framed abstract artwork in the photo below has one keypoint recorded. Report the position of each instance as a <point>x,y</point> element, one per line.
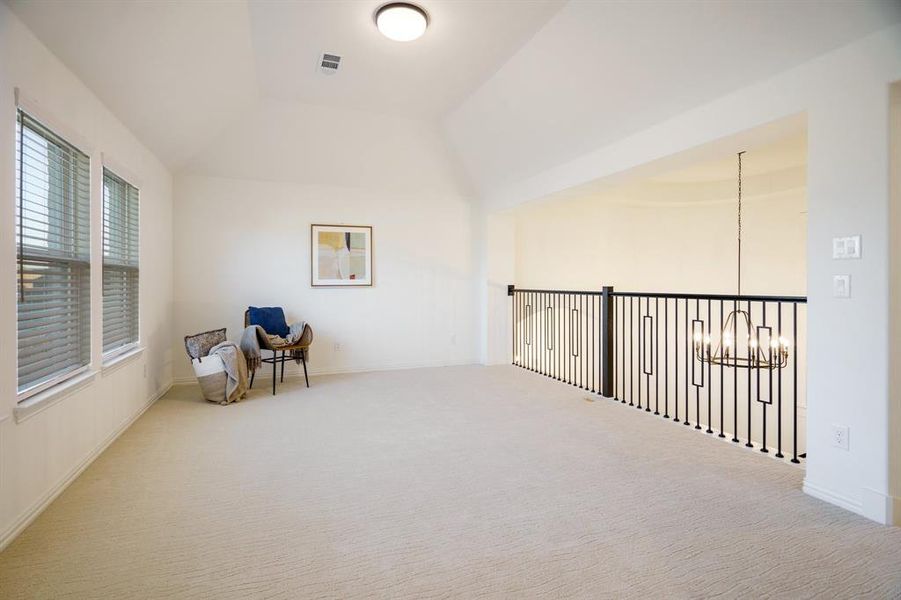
<point>341,255</point>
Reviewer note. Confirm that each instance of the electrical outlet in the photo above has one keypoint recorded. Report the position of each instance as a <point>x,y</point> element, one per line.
<point>841,286</point>
<point>840,435</point>
<point>337,346</point>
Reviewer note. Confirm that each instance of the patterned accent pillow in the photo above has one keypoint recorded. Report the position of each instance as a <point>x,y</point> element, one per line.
<point>199,344</point>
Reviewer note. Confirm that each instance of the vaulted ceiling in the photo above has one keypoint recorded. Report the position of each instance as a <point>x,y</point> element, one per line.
<point>600,71</point>
<point>517,85</point>
<point>177,73</point>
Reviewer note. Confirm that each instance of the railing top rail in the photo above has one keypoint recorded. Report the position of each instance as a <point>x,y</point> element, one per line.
<point>794,299</point>
<point>725,297</point>
<point>537,291</point>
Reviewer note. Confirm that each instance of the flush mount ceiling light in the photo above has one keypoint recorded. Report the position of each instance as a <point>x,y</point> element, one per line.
<point>401,21</point>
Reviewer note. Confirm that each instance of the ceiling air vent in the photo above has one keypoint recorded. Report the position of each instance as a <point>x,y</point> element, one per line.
<point>329,63</point>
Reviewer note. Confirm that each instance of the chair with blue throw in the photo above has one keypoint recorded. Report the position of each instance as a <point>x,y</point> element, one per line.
<point>265,328</point>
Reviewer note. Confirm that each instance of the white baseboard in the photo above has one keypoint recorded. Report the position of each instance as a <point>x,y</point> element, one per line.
<point>345,370</point>
<point>832,498</point>
<point>880,507</point>
<point>42,503</point>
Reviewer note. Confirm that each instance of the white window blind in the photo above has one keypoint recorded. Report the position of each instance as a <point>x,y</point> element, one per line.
<point>120,263</point>
<point>53,253</point>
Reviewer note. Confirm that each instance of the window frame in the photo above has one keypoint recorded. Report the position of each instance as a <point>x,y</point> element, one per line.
<point>36,113</point>
<point>125,176</point>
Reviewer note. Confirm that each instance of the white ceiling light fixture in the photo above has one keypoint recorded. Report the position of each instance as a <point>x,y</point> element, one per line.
<point>401,21</point>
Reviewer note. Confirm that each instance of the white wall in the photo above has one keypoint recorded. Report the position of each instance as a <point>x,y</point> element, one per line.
<point>608,239</point>
<point>846,96</point>
<point>242,237</point>
<point>497,270</point>
<point>39,455</point>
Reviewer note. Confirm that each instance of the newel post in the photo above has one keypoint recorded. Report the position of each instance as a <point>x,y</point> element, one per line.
<point>607,330</point>
<point>510,289</point>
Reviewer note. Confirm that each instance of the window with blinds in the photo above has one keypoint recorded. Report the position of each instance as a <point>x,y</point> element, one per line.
<point>53,254</point>
<point>120,263</point>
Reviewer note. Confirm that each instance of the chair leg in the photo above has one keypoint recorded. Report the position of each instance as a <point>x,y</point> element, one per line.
<point>282,380</point>
<point>274,370</point>
<point>303,359</point>
<point>252,375</point>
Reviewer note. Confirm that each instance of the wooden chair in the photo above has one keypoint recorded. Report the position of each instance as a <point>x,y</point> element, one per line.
<point>302,345</point>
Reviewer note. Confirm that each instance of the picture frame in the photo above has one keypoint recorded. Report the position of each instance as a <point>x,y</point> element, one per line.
<point>340,255</point>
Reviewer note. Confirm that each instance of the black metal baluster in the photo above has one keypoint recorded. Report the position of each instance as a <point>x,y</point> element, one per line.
<point>530,309</point>
<point>515,326</point>
<point>750,444</point>
<point>722,392</point>
<point>556,313</point>
<point>666,358</point>
<point>564,350</point>
<point>548,342</point>
<point>594,352</point>
<point>577,342</point>
<point>583,343</point>
<point>688,358</point>
<point>622,328</point>
<point>537,310</point>
<point>693,360</point>
<point>546,363</point>
<point>521,329</point>
<point>676,357</point>
<point>604,325</point>
<point>779,385</point>
<point>709,374</point>
<point>544,350</point>
<point>583,350</point>
<point>569,325</point>
<point>657,322</point>
<point>657,356</point>
<point>586,359</point>
<point>797,345</point>
<point>530,340</point>
<point>735,372</point>
<point>649,353</point>
<point>770,373</point>
<point>525,330</point>
<point>631,352</point>
<point>522,332</point>
<point>573,323</point>
<point>647,331</point>
<point>641,344</point>
<point>611,323</point>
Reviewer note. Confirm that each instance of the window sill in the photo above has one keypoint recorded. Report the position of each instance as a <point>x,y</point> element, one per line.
<point>35,404</point>
<point>117,361</point>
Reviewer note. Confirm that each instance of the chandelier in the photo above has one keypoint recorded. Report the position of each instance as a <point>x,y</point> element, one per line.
<point>741,343</point>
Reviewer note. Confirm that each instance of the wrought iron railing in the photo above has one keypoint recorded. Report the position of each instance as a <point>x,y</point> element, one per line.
<point>732,366</point>
<point>558,335</point>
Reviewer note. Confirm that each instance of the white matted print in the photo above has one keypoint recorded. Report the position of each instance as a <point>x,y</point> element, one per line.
<point>341,255</point>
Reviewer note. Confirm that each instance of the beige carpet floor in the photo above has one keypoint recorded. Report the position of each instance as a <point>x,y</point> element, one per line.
<point>466,482</point>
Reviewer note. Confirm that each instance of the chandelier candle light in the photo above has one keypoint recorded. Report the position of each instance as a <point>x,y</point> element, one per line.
<point>761,349</point>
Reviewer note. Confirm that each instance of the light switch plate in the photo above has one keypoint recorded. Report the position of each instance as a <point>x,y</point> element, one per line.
<point>846,247</point>
<point>841,286</point>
